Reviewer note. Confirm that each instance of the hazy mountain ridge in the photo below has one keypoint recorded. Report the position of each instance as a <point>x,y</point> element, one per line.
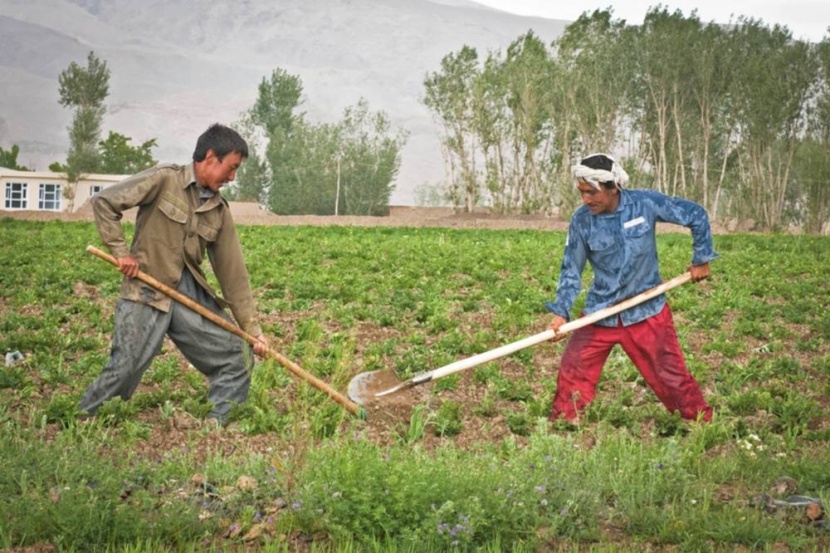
<point>179,65</point>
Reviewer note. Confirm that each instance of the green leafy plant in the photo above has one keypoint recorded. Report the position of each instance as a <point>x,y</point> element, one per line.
<point>447,421</point>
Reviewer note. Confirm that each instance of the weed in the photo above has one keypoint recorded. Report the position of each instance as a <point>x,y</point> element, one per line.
<point>447,421</point>
<point>418,423</point>
<point>519,423</point>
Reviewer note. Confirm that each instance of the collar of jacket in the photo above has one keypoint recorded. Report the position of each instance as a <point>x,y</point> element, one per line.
<point>190,179</point>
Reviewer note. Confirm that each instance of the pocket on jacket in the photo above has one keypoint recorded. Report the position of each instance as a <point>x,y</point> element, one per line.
<point>172,211</point>
<point>604,252</point>
<point>636,228</point>
<point>207,232</point>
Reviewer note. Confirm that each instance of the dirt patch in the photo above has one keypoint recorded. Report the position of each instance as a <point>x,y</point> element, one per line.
<point>245,213</point>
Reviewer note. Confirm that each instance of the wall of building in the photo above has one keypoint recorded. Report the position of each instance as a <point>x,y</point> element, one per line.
<point>47,191</point>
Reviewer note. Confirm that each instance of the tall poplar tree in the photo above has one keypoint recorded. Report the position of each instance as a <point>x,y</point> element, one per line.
<point>84,89</point>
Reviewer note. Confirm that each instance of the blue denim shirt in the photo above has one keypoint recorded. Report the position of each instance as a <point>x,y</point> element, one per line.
<point>622,249</point>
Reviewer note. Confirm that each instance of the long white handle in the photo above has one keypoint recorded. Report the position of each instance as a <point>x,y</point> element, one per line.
<point>589,319</point>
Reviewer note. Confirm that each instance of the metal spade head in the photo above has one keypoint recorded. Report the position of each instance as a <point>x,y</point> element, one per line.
<point>364,387</point>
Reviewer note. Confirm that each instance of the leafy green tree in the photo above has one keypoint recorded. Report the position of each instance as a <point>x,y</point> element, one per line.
<point>251,180</point>
<point>277,101</point>
<point>367,161</point>
<point>302,168</point>
<point>273,119</point>
<point>689,109</point>
<point>528,73</point>
<point>341,168</point>
<point>771,115</point>
<point>491,127</point>
<point>449,96</point>
<point>118,157</point>
<point>593,68</point>
<point>811,175</point>
<point>84,89</point>
<point>8,159</point>
<point>592,84</point>
<point>662,96</point>
<point>83,156</point>
<point>253,176</point>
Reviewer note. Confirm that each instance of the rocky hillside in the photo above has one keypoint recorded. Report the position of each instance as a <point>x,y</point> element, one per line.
<point>179,65</point>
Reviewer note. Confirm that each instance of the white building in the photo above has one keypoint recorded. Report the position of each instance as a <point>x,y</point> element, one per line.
<point>46,191</point>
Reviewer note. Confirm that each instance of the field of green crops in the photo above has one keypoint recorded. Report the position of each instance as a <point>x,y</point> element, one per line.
<point>472,463</point>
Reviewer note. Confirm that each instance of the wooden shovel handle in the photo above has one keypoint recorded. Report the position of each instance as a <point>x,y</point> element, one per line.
<point>234,329</point>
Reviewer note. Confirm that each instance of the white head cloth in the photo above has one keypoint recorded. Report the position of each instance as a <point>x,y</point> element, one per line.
<point>617,174</point>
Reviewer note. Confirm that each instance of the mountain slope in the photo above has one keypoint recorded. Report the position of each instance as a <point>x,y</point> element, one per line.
<point>179,65</point>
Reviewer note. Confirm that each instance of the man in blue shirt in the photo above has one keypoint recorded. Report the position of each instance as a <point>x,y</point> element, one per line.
<point>614,230</point>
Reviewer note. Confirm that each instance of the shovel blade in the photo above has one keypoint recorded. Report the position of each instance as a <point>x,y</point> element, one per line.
<point>364,387</point>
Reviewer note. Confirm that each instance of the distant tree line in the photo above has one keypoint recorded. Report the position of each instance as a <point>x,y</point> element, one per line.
<point>295,166</point>
<point>84,89</point>
<point>299,167</point>
<point>735,117</point>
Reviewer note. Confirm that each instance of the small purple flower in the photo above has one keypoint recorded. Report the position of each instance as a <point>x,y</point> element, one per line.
<point>540,489</point>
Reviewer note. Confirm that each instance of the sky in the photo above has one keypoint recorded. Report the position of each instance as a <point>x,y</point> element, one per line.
<point>806,19</point>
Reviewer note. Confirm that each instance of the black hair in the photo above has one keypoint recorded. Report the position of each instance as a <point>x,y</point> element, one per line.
<point>603,163</point>
<point>598,161</point>
<point>222,140</point>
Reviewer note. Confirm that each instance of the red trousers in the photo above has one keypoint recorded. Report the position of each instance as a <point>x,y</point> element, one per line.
<point>653,348</point>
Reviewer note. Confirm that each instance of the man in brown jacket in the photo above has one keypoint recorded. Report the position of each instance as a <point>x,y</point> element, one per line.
<point>181,216</point>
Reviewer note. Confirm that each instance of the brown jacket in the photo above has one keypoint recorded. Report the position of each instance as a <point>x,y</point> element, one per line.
<point>173,231</point>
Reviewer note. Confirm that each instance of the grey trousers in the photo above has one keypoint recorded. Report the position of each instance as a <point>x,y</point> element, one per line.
<point>225,359</point>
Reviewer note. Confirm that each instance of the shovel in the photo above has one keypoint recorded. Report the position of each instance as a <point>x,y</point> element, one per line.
<point>233,329</point>
<point>361,385</point>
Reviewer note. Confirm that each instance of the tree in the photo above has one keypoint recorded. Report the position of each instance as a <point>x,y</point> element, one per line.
<point>84,89</point>
<point>346,167</point>
<point>118,157</point>
<point>449,97</point>
<point>528,74</point>
<point>663,98</point>
<point>771,115</point>
<point>276,102</point>
<point>8,159</point>
<point>367,161</point>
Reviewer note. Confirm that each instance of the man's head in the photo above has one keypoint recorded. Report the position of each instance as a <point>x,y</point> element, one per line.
<point>599,179</point>
<point>219,153</point>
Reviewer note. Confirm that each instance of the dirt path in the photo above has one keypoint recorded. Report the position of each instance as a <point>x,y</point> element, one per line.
<point>251,214</point>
